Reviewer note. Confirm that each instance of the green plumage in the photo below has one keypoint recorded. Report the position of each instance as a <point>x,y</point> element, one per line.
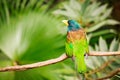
<point>76,45</point>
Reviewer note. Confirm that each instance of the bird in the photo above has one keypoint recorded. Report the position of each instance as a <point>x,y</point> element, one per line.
<point>76,45</point>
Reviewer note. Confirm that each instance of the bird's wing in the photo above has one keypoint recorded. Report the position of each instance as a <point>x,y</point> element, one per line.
<point>69,48</point>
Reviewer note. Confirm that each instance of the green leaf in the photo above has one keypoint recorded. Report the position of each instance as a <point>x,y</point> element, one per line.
<point>103,32</point>
<point>119,47</point>
<point>99,10</point>
<point>103,44</point>
<point>106,14</point>
<point>96,47</point>
<point>89,62</point>
<point>84,6</point>
<point>36,74</point>
<point>6,75</point>
<point>114,45</point>
<point>32,36</point>
<point>67,69</point>
<point>96,62</point>
<point>101,24</point>
<point>91,48</point>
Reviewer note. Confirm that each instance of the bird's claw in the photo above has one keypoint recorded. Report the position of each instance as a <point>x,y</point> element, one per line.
<point>86,56</point>
<point>73,58</point>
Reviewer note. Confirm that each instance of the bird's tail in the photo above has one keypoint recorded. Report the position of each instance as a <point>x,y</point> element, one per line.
<point>80,64</point>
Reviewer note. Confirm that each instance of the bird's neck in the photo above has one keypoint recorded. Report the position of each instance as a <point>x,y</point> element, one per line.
<point>73,28</point>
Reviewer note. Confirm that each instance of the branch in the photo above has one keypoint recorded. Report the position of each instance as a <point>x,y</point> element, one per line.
<point>53,61</point>
<point>94,53</point>
<point>111,74</point>
<point>34,65</point>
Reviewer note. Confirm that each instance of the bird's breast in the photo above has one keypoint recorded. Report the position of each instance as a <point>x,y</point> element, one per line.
<point>75,35</point>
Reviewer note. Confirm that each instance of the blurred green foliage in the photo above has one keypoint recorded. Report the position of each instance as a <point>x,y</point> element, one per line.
<point>32,31</point>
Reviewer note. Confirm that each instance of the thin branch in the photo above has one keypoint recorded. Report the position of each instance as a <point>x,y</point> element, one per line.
<point>34,65</point>
<point>94,53</point>
<point>110,75</point>
<point>53,61</point>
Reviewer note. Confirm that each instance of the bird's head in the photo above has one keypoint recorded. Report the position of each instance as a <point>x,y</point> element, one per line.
<point>72,25</point>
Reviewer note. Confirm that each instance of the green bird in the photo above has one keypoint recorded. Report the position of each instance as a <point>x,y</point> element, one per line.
<point>76,45</point>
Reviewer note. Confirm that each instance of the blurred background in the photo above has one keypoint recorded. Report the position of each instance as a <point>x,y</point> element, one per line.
<point>32,31</point>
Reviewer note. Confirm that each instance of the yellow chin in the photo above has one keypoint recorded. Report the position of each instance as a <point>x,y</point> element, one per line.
<point>65,21</point>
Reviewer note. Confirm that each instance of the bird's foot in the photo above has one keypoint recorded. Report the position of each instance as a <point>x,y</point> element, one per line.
<point>86,56</point>
<point>73,58</point>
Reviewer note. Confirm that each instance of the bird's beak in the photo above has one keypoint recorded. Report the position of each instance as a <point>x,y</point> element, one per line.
<point>65,21</point>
